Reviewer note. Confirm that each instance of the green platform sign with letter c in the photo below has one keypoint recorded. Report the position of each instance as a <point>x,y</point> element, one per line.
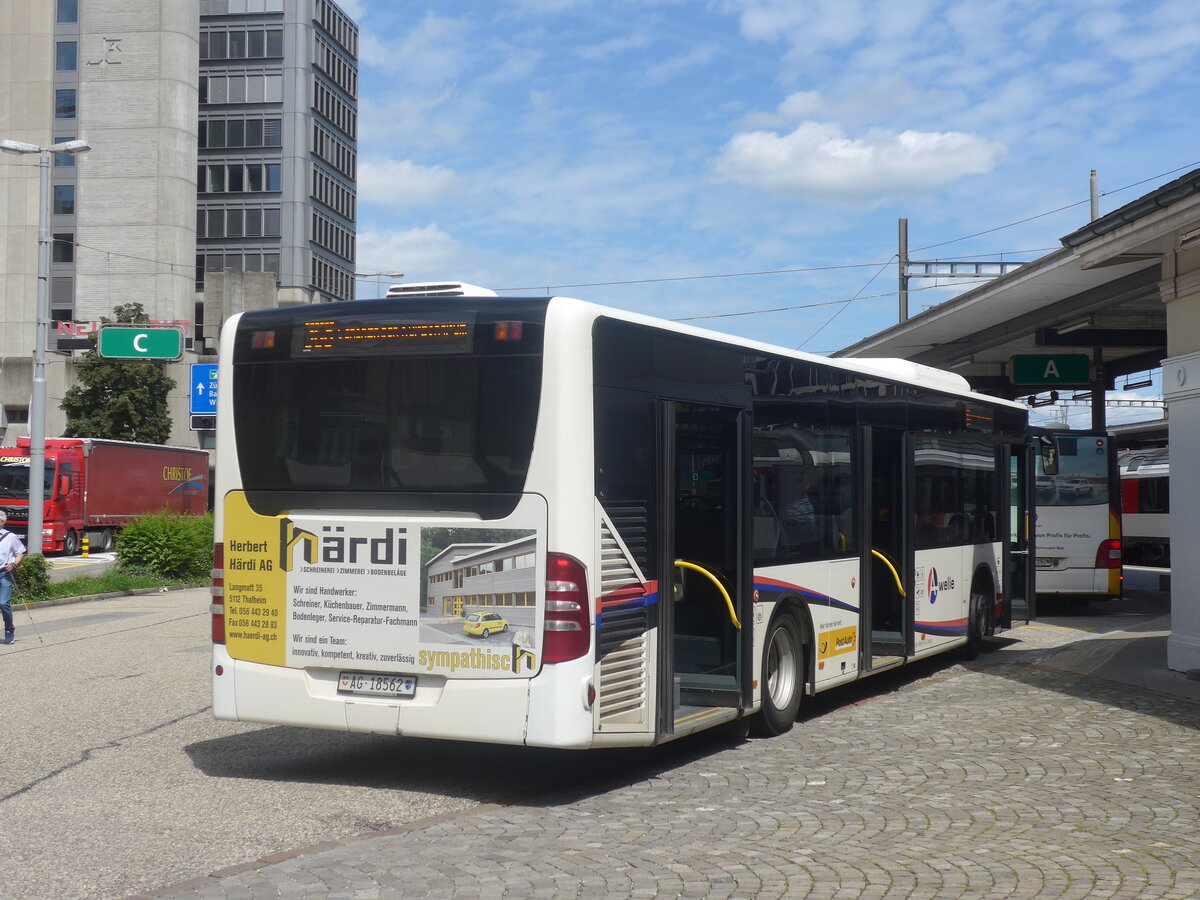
<point>140,342</point>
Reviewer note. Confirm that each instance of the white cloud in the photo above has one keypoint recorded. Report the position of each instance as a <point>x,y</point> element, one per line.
<point>603,192</point>
<point>353,8</point>
<point>547,6</point>
<point>613,46</point>
<point>431,53</point>
<point>421,253</point>
<point>696,56</point>
<point>397,183</point>
<point>795,107</point>
<point>818,162</point>
<point>836,22</point>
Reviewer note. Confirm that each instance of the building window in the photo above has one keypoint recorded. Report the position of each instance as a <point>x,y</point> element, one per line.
<point>218,223</point>
<point>238,7</point>
<point>65,56</point>
<point>64,159</point>
<point>64,103</point>
<point>240,88</point>
<point>68,11</point>
<point>236,178</point>
<point>62,290</point>
<point>17,415</point>
<point>216,134</point>
<point>63,250</point>
<point>64,199</point>
<point>254,42</point>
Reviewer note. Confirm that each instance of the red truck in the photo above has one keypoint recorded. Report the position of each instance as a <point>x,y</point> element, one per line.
<point>95,486</point>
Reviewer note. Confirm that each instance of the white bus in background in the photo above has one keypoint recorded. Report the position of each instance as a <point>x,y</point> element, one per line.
<point>541,521</point>
<point>1079,552</point>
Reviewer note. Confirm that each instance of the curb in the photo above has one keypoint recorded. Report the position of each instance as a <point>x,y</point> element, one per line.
<point>133,592</point>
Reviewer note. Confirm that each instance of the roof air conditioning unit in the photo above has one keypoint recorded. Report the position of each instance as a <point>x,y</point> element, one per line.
<point>438,289</point>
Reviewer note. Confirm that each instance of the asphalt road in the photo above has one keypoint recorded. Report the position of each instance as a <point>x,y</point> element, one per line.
<point>64,568</point>
<point>115,780</point>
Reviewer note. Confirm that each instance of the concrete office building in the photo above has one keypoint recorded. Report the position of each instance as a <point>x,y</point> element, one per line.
<point>221,174</point>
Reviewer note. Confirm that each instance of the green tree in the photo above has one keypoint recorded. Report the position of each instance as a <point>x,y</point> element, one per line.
<point>120,399</point>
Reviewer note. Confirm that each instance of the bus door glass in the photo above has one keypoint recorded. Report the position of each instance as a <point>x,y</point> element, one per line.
<point>887,560</point>
<point>1019,572</point>
<point>705,624</point>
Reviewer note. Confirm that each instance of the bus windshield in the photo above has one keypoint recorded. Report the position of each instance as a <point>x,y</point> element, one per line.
<point>1083,472</point>
<point>386,415</point>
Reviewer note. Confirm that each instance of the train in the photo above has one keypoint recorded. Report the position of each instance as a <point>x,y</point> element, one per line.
<point>1146,506</point>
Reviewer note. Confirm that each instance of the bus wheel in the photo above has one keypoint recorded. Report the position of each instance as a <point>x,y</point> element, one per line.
<point>981,602</point>
<point>782,678</point>
<point>70,543</point>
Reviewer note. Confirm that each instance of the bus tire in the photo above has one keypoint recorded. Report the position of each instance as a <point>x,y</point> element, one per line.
<point>782,677</point>
<point>982,600</point>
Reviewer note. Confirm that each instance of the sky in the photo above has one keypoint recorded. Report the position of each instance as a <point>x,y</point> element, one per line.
<point>742,164</point>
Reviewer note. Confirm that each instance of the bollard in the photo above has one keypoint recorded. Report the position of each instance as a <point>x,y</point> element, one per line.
<point>85,544</point>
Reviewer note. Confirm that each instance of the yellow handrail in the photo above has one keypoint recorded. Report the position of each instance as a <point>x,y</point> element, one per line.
<point>887,562</point>
<point>679,563</point>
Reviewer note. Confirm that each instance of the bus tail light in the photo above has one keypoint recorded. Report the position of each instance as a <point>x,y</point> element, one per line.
<point>218,594</point>
<point>567,627</point>
<point>1108,556</point>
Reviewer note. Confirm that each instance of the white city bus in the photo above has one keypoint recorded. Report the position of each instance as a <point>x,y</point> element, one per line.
<point>546,522</point>
<point>1079,554</point>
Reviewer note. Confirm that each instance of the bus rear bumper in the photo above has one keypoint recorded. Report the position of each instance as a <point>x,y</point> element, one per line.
<point>493,710</point>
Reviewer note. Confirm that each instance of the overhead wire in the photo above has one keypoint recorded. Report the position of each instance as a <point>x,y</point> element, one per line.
<point>846,305</point>
<point>758,273</point>
<point>855,299</point>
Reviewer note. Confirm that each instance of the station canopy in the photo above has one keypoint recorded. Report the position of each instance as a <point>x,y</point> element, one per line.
<point>1078,318</point>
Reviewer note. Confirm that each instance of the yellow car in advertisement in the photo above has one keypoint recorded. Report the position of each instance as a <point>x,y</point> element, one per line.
<point>485,624</point>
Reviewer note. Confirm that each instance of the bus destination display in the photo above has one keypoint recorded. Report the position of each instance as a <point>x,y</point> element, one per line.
<point>330,337</point>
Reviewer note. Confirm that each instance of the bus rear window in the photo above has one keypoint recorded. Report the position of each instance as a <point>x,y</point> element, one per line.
<point>420,423</point>
<point>1083,473</point>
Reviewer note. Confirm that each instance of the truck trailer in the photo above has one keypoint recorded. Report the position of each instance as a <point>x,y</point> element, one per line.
<point>94,486</point>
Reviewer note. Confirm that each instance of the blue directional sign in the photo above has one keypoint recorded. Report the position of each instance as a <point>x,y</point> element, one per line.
<point>204,389</point>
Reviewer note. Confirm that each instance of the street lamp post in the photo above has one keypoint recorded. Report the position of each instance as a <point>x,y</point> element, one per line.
<point>37,400</point>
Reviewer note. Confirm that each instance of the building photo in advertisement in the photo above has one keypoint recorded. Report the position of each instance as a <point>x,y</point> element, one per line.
<point>479,586</point>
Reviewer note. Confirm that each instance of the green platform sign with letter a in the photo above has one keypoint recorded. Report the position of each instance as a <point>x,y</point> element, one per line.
<point>140,342</point>
<point>1049,369</point>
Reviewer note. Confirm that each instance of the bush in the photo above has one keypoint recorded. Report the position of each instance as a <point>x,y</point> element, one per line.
<point>173,546</point>
<point>31,580</point>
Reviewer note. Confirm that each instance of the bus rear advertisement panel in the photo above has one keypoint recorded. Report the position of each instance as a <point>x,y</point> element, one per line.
<point>385,594</point>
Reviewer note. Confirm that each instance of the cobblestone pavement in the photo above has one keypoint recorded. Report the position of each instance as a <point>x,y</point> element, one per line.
<point>1007,777</point>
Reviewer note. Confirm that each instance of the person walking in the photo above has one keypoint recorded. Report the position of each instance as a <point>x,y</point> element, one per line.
<point>12,551</point>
